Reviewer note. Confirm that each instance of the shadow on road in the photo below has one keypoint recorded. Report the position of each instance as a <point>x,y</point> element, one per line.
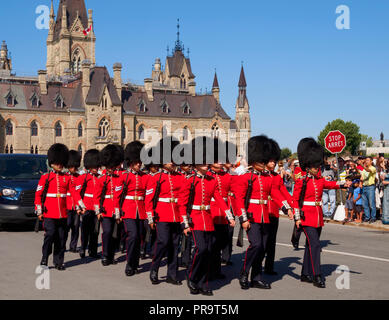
<point>326,243</point>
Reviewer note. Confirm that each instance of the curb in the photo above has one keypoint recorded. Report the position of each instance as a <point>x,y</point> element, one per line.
<point>379,226</point>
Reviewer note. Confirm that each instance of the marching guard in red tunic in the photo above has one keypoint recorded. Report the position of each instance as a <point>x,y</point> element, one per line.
<point>200,221</point>
<point>103,198</point>
<point>131,192</point>
<point>87,184</point>
<point>254,214</point>
<point>53,187</point>
<point>307,204</point>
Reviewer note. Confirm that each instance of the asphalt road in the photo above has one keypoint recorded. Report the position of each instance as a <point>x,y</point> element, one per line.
<point>365,252</point>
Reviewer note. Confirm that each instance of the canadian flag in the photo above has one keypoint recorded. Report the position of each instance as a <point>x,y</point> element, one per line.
<point>87,31</point>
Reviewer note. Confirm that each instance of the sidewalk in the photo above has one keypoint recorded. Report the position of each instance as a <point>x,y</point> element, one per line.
<point>376,225</point>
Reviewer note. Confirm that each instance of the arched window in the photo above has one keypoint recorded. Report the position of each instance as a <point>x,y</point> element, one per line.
<point>142,107</point>
<point>76,62</point>
<point>32,150</point>
<point>9,128</point>
<point>58,129</point>
<point>186,108</point>
<point>34,129</point>
<point>215,131</point>
<point>36,150</point>
<point>59,102</point>
<point>6,149</point>
<point>103,128</point>
<point>11,150</point>
<point>80,129</point>
<point>186,133</point>
<point>141,132</point>
<point>35,101</point>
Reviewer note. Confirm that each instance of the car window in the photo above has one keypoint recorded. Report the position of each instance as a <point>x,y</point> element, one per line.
<point>22,168</point>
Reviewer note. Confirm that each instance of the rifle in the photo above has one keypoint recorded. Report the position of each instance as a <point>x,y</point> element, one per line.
<point>43,200</point>
<point>301,199</point>
<point>185,239</point>
<point>102,210</point>
<point>247,198</point>
<point>157,192</point>
<point>121,202</point>
<point>82,194</point>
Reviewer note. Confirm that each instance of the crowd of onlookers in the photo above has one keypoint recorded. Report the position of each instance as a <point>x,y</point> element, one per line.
<point>367,200</point>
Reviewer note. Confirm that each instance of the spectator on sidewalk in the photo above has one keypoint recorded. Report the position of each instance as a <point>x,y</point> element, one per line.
<point>360,163</point>
<point>349,207</point>
<point>385,202</point>
<point>368,192</point>
<point>329,196</point>
<point>357,200</point>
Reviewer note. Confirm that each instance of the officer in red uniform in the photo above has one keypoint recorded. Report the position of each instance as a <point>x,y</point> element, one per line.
<point>274,210</point>
<point>111,158</point>
<point>54,210</point>
<point>310,216</point>
<point>133,213</point>
<point>87,184</point>
<point>200,221</point>
<point>256,220</point>
<point>165,217</point>
<point>73,218</point>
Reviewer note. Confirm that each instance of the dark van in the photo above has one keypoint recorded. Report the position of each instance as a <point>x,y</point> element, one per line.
<point>19,178</point>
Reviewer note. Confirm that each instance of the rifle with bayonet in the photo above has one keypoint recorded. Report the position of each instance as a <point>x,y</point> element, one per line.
<point>43,200</point>
<point>185,239</point>
<point>102,209</point>
<point>121,202</point>
<point>246,207</point>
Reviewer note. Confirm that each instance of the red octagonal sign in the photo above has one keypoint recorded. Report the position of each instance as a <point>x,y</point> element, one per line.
<point>335,141</point>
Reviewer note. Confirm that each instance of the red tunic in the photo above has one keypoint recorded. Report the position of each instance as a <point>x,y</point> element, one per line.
<point>134,204</point>
<point>223,186</point>
<point>312,208</point>
<point>205,189</point>
<point>274,209</point>
<point>167,207</point>
<point>112,183</point>
<point>59,186</point>
<point>91,183</point>
<point>263,187</point>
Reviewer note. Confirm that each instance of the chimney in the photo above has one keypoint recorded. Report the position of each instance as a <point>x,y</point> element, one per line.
<point>85,66</point>
<point>192,88</point>
<point>117,78</point>
<point>149,89</point>
<point>42,81</point>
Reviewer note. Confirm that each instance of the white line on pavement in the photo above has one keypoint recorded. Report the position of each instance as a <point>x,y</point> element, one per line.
<point>336,252</point>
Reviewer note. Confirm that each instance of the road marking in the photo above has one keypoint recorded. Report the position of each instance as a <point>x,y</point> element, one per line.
<point>335,252</point>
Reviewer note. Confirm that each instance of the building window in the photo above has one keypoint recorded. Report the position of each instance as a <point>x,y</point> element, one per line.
<point>141,132</point>
<point>186,108</point>
<point>59,102</point>
<point>6,149</point>
<point>11,150</point>
<point>32,150</point>
<point>186,134</point>
<point>58,129</point>
<point>34,129</point>
<point>164,107</point>
<point>142,107</point>
<point>215,131</point>
<point>76,62</point>
<point>124,133</point>
<point>36,150</point>
<point>80,130</point>
<point>9,128</point>
<point>79,149</point>
<point>35,101</point>
<point>103,128</point>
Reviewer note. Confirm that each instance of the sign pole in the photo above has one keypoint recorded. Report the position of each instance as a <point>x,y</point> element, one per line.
<point>340,191</point>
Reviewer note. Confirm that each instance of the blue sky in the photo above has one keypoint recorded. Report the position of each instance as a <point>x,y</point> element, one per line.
<point>302,72</point>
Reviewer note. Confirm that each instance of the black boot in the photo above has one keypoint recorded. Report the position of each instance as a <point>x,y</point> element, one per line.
<point>260,284</point>
<point>154,277</point>
<point>105,262</point>
<point>206,292</point>
<point>318,282</point>
<point>173,281</point>
<point>82,253</point>
<point>129,271</point>
<point>193,288</point>
<point>60,267</point>
<point>44,262</point>
<point>305,278</point>
<point>244,280</point>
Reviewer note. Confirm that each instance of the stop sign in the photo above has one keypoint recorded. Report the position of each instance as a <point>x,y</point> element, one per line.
<point>335,141</point>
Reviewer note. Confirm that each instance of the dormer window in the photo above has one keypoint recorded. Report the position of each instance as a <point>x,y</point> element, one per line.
<point>34,100</point>
<point>142,106</point>
<point>59,101</point>
<point>11,99</point>
<point>186,108</point>
<point>164,107</point>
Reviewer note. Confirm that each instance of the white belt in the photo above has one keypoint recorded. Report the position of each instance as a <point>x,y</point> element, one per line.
<point>168,200</point>
<point>54,195</point>
<point>108,197</point>
<point>257,201</point>
<point>136,198</point>
<point>88,195</point>
<point>213,199</point>
<point>201,208</point>
<point>68,194</point>
<point>313,204</point>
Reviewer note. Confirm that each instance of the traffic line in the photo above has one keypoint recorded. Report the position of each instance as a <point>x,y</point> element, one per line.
<point>335,252</point>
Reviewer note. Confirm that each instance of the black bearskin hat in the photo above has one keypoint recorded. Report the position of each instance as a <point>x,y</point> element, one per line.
<point>203,150</point>
<point>112,156</point>
<point>92,159</point>
<point>74,159</point>
<point>58,154</point>
<point>167,145</point>
<point>275,152</point>
<point>132,152</point>
<point>260,149</point>
<point>310,154</point>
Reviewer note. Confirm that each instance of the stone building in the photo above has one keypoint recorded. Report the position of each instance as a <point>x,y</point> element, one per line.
<point>78,103</point>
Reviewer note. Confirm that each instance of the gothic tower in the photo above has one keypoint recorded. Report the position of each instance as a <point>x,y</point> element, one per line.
<point>71,38</point>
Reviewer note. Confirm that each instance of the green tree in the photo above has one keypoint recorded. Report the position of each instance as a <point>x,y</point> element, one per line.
<point>285,153</point>
<point>349,129</point>
<point>367,139</point>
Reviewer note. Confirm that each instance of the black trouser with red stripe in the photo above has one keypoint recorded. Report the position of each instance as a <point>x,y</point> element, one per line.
<point>257,235</point>
<point>108,241</point>
<point>73,224</point>
<point>220,243</point>
<point>89,238</point>
<point>55,233</point>
<point>227,251</point>
<point>133,229</point>
<point>200,267</point>
<point>311,264</point>
<point>168,237</point>
<point>271,244</point>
